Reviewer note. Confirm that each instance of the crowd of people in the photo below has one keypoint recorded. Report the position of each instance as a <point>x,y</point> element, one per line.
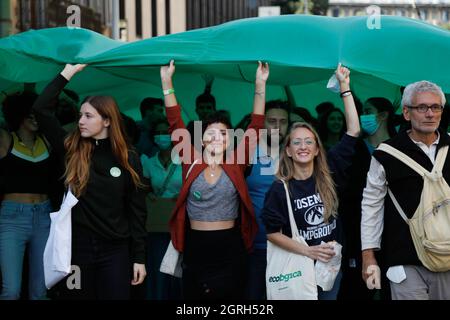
<point>222,197</point>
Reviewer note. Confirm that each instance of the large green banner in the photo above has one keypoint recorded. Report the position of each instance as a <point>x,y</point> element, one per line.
<point>302,52</point>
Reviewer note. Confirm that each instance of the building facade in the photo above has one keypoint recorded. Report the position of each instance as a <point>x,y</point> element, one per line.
<point>22,15</point>
<point>140,19</point>
<point>206,13</point>
<point>8,18</point>
<point>436,12</point>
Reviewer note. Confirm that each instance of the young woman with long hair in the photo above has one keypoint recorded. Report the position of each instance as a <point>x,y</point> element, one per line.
<point>213,223</point>
<point>313,177</point>
<point>108,222</point>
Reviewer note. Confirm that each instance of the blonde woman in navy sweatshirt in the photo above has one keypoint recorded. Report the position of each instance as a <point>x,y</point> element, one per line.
<point>312,176</point>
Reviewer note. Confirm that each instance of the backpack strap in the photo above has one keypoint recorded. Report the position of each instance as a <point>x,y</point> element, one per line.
<point>440,159</point>
<point>397,206</point>
<point>407,161</point>
<point>403,158</point>
<point>438,166</point>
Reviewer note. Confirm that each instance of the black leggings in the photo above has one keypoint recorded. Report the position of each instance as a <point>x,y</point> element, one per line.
<point>214,265</point>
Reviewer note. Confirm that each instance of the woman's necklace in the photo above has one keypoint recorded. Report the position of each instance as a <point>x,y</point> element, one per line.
<point>212,167</point>
<point>212,172</point>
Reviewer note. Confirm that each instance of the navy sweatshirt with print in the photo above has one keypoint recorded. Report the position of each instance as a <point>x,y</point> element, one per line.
<point>306,203</point>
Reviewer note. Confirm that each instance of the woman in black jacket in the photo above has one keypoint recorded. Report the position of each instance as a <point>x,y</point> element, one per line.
<point>108,222</point>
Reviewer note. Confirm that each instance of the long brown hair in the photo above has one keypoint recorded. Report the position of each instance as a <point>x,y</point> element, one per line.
<point>324,182</point>
<point>79,149</point>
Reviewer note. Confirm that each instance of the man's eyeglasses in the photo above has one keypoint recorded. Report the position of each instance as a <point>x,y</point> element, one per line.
<point>423,108</point>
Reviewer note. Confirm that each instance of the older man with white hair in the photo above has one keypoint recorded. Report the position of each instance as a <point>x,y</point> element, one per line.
<point>382,226</point>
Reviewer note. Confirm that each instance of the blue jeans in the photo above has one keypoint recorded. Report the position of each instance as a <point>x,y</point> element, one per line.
<point>21,225</point>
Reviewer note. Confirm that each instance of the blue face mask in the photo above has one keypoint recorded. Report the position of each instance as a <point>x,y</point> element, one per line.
<point>163,141</point>
<point>369,123</point>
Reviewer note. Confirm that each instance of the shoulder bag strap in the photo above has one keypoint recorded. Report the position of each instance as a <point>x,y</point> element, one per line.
<point>294,229</point>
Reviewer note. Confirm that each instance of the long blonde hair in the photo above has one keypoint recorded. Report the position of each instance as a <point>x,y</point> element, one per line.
<point>79,149</point>
<point>324,182</point>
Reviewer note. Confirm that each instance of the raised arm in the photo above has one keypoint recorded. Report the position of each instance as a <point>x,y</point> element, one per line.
<point>70,70</point>
<point>173,110</point>
<point>167,72</point>
<point>45,104</point>
<point>181,138</point>
<point>351,115</point>
<point>247,145</point>
<point>259,101</point>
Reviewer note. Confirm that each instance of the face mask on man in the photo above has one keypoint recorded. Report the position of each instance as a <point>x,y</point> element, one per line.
<point>369,123</point>
<point>163,141</point>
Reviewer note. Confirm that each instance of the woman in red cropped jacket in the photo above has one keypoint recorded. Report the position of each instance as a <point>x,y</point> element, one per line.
<point>213,223</point>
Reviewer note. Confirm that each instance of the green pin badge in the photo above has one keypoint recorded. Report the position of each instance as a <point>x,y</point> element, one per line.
<point>197,195</point>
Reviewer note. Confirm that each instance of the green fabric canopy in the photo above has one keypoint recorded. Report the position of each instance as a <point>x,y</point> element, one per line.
<point>302,52</point>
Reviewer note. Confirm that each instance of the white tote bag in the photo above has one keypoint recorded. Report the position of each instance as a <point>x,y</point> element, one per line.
<point>171,262</point>
<point>290,276</point>
<point>58,250</point>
